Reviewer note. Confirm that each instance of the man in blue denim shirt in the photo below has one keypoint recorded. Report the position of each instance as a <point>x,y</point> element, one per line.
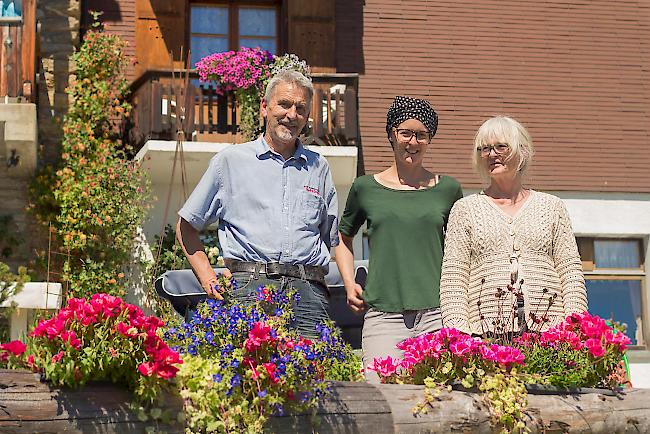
<point>276,208</point>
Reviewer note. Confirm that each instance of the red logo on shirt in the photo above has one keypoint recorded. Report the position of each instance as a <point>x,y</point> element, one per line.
<point>312,190</point>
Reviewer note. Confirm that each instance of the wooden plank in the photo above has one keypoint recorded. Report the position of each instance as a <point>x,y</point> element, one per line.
<point>156,107</point>
<point>317,112</point>
<point>5,58</point>
<point>202,108</point>
<point>28,50</point>
<point>222,114</point>
<point>210,92</point>
<point>233,113</point>
<point>190,108</point>
<point>351,114</point>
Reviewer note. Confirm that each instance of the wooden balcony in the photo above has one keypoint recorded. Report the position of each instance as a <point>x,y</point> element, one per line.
<point>161,104</point>
<point>17,54</point>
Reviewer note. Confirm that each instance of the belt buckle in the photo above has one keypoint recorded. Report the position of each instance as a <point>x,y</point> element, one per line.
<point>272,269</point>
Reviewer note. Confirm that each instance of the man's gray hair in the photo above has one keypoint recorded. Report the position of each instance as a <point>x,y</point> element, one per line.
<point>289,76</point>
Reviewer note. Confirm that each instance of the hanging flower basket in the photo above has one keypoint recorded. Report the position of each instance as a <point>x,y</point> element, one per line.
<point>246,73</point>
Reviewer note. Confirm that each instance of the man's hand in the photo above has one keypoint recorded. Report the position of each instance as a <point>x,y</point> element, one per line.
<point>214,288</point>
<point>355,299</point>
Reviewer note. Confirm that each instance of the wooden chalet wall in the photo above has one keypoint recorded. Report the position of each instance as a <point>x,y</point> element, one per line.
<point>577,74</point>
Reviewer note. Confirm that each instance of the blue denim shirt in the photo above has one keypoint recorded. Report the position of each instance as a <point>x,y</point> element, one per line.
<point>269,209</point>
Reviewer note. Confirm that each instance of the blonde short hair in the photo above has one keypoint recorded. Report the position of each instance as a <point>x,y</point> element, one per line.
<point>503,129</point>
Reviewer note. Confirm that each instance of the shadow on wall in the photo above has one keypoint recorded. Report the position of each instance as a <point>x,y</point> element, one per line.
<point>349,36</point>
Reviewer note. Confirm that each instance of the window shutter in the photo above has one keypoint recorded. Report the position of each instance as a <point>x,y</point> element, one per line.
<point>311,32</point>
<point>160,29</point>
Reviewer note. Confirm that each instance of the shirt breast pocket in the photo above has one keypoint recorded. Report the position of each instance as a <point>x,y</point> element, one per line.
<point>311,208</point>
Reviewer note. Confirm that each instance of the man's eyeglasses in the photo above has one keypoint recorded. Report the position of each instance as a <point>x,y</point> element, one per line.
<point>404,135</point>
<point>499,149</point>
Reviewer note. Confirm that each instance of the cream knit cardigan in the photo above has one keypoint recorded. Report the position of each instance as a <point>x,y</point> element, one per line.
<point>485,248</point>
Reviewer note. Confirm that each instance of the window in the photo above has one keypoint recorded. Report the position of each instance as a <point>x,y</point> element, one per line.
<point>11,8</point>
<point>217,27</point>
<point>615,279</point>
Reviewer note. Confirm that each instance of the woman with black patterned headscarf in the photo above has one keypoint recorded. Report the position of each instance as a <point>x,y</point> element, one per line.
<point>406,208</point>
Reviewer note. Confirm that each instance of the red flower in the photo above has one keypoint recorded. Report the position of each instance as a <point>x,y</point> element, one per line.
<point>14,347</point>
<point>147,368</point>
<point>58,356</point>
<point>257,336</point>
<point>270,369</point>
<point>166,372</point>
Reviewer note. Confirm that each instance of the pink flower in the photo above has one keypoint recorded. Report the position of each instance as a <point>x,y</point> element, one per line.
<point>595,348</point>
<point>384,367</point>
<point>14,347</point>
<point>126,330</point>
<point>487,353</point>
<point>507,355</point>
<point>259,334</point>
<point>460,348</point>
<point>58,356</point>
<point>147,368</point>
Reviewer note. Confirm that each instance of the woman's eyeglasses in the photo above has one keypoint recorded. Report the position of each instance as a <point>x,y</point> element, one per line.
<point>499,149</point>
<point>422,137</point>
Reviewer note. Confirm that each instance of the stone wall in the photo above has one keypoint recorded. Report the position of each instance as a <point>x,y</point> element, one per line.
<point>59,23</point>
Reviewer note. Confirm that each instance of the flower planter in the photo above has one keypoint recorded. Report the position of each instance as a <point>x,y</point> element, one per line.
<point>30,406</point>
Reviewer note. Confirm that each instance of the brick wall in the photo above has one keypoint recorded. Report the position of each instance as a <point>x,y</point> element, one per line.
<point>577,74</point>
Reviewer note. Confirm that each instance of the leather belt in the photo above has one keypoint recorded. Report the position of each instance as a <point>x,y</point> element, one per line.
<point>272,269</point>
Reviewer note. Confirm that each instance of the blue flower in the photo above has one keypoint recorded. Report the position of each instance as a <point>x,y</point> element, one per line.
<point>261,393</point>
<point>209,337</point>
<point>217,378</point>
<point>192,350</point>
<point>235,380</point>
<point>234,363</point>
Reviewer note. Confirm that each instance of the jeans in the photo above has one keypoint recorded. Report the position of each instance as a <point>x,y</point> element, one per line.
<point>309,311</point>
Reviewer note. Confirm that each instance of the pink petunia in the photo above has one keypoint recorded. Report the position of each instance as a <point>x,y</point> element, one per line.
<point>58,356</point>
<point>595,347</point>
<point>14,347</point>
<point>385,367</point>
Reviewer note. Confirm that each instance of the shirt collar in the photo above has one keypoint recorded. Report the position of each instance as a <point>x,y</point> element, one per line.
<point>262,148</point>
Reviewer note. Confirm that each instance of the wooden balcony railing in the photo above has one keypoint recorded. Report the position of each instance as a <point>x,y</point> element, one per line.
<point>17,53</point>
<point>159,99</point>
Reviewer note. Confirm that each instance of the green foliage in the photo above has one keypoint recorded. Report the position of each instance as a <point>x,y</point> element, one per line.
<point>97,198</point>
<point>249,117</point>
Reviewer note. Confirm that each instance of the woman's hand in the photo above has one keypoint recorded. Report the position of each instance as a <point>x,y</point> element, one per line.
<point>355,299</point>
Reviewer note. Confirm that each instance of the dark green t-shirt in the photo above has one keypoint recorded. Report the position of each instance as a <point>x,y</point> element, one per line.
<point>405,232</point>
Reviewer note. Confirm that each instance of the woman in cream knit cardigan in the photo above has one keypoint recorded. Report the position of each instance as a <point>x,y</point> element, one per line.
<point>510,261</point>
